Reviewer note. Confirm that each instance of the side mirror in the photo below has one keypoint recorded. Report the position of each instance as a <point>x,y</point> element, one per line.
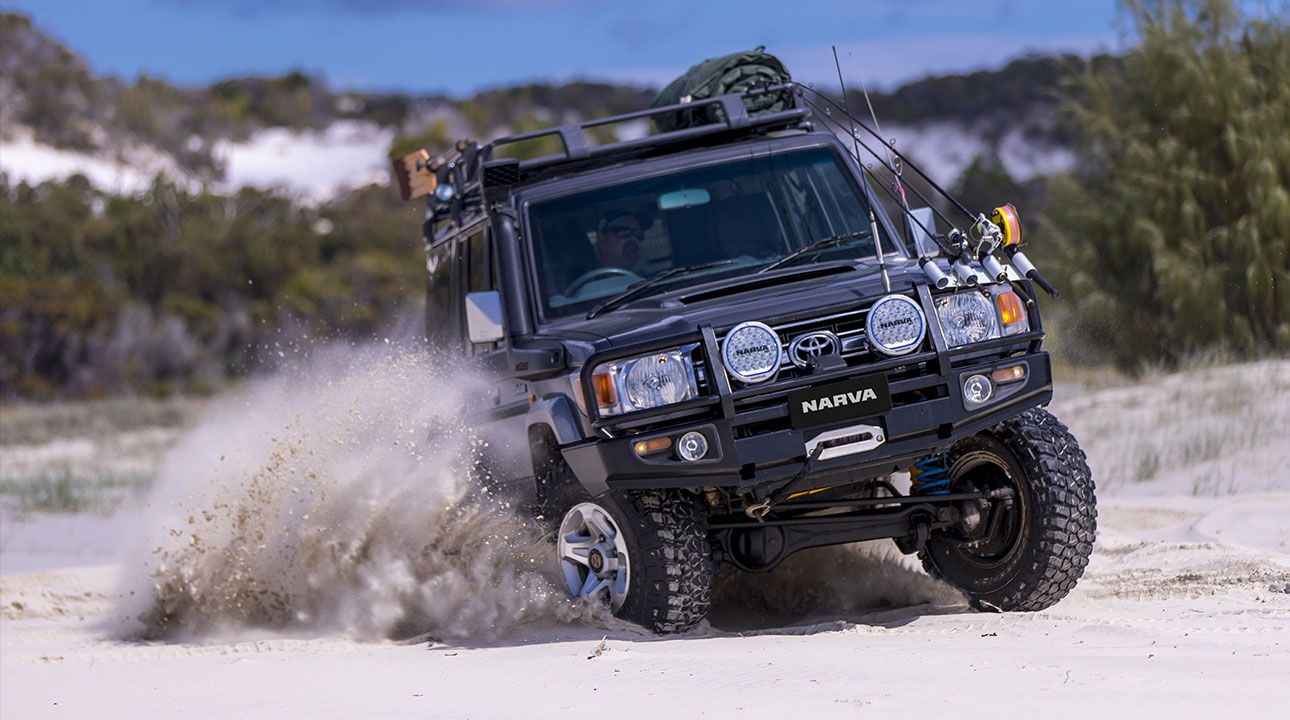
<point>923,242</point>
<point>484,316</point>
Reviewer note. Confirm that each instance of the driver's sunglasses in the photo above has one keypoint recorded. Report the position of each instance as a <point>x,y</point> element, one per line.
<point>622,232</point>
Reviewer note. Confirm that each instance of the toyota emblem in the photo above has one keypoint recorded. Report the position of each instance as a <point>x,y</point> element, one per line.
<point>805,348</point>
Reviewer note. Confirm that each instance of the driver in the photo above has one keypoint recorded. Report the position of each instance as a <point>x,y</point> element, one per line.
<point>618,239</point>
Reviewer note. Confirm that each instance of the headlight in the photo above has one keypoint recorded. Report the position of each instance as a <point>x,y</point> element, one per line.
<point>644,382</point>
<point>895,325</point>
<point>966,317</point>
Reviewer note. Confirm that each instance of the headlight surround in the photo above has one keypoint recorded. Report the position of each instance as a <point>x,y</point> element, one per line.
<point>966,318</point>
<point>645,381</point>
<point>895,325</point>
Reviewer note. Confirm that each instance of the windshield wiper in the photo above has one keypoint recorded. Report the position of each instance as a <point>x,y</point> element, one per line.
<point>815,247</point>
<point>640,289</point>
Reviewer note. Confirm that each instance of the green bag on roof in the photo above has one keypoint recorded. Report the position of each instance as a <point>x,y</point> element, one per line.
<point>725,75</point>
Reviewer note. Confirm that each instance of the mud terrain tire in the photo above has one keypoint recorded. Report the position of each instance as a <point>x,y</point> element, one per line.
<point>1052,538</point>
<point>659,539</point>
<point>673,569</point>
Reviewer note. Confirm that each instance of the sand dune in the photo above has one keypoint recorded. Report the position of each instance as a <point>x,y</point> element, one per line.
<point>1184,612</point>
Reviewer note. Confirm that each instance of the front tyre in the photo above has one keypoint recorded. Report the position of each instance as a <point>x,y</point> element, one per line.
<point>1030,550</point>
<point>645,553</point>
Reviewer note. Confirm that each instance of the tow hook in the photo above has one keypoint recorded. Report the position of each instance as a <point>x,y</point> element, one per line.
<point>758,511</point>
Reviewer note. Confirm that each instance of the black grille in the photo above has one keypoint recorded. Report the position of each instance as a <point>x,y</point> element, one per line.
<point>847,326</point>
<point>761,407</point>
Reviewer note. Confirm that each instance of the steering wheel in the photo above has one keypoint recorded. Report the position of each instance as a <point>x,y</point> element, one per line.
<point>598,274</point>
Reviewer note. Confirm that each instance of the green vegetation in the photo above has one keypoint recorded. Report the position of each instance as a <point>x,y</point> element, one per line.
<point>54,88</point>
<point>77,456</point>
<point>1199,426</point>
<point>175,290</point>
<point>1173,236</point>
<point>1170,239</point>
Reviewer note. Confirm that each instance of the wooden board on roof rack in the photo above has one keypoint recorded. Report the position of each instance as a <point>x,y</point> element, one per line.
<point>417,173</point>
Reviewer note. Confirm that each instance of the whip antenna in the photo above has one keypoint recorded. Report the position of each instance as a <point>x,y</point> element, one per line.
<point>873,224</point>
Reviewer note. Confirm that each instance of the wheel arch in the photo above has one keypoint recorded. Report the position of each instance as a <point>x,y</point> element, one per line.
<point>555,484</point>
<point>558,415</point>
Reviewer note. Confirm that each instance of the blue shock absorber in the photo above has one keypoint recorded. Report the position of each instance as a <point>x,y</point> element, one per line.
<point>929,475</point>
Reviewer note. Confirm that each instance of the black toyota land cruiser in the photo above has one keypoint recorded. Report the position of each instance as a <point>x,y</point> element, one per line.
<point>721,344</point>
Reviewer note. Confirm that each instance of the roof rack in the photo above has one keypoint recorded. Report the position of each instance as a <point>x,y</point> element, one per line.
<point>733,117</point>
<point>469,168</point>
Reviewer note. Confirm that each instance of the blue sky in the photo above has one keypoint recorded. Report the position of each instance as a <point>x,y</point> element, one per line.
<point>458,46</point>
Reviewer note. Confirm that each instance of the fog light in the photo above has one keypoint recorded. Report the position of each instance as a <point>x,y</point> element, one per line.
<point>651,446</point>
<point>692,446</point>
<point>1008,374</point>
<point>978,389</point>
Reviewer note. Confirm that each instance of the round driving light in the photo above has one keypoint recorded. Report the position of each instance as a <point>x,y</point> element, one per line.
<point>895,325</point>
<point>444,193</point>
<point>978,389</point>
<point>751,352</point>
<point>692,446</point>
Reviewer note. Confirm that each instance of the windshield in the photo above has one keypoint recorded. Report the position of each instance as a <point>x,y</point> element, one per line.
<point>595,245</point>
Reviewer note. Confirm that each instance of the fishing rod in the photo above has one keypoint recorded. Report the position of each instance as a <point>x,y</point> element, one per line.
<point>888,146</point>
<point>873,222</point>
<point>827,119</point>
<point>954,252</point>
<point>825,114</point>
<point>957,246</point>
<point>962,269</point>
<point>897,182</point>
<point>990,236</point>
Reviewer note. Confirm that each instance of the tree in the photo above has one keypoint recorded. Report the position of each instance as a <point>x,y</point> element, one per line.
<point>1173,235</point>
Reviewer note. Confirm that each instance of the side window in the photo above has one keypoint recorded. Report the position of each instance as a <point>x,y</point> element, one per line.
<point>443,319</point>
<point>478,257</point>
<point>478,273</point>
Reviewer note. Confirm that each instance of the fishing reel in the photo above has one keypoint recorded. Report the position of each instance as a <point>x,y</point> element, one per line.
<point>987,235</point>
<point>1002,230</point>
<point>1007,221</point>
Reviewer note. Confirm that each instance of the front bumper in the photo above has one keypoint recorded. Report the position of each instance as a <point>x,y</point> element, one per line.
<point>753,448</point>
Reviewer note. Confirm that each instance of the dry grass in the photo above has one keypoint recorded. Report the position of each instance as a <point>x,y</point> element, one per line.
<point>85,456</point>
<point>1208,430</point>
<point>60,489</point>
<point>26,424</point>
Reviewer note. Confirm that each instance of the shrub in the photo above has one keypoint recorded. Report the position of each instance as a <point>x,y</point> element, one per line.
<point>1173,236</point>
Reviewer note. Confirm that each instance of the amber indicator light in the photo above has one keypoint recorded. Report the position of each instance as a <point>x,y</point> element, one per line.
<point>603,386</point>
<point>1010,310</point>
